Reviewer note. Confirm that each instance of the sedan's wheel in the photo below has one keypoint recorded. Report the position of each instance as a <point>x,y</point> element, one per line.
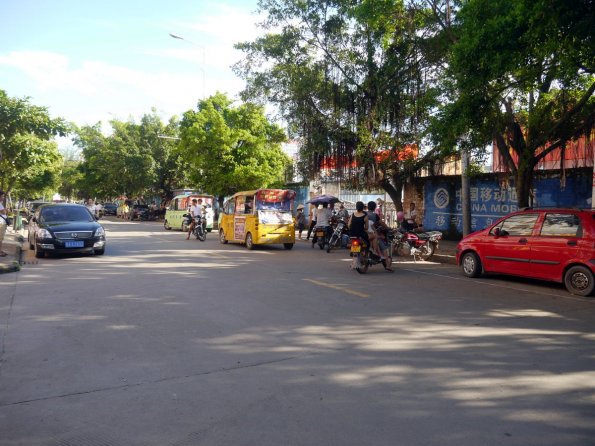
<point>249,241</point>
<point>222,237</point>
<point>471,264</point>
<point>579,280</point>
<point>288,245</point>
<point>100,252</point>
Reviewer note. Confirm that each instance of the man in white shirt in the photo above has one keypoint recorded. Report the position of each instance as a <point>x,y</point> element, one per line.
<point>323,218</point>
<point>91,206</point>
<point>196,210</point>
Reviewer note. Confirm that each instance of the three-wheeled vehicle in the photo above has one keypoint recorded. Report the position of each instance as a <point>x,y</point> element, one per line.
<point>180,204</point>
<point>256,217</point>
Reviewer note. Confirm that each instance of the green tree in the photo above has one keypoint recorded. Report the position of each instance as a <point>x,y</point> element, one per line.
<point>136,159</point>
<point>28,157</point>
<point>71,180</point>
<point>170,168</point>
<point>355,81</point>
<point>522,75</point>
<point>232,148</point>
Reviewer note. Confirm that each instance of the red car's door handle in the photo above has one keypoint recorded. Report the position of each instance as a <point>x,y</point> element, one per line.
<point>523,241</point>
<point>571,243</point>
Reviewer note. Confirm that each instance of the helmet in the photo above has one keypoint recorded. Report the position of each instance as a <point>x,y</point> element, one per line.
<point>400,216</point>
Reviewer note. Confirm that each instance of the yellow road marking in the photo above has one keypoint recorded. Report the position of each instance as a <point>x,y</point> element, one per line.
<point>336,287</point>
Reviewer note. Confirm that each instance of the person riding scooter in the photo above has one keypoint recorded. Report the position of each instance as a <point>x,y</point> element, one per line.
<point>378,237</point>
<point>323,219</point>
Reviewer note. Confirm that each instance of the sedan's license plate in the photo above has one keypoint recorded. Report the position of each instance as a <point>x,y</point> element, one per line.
<point>356,248</point>
<point>75,244</point>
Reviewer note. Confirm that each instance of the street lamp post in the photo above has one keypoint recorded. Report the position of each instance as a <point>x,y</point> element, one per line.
<point>175,36</point>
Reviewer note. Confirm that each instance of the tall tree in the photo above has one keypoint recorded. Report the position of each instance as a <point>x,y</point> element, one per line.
<point>232,148</point>
<point>135,159</point>
<point>523,76</point>
<point>169,166</point>
<point>26,149</point>
<point>353,81</point>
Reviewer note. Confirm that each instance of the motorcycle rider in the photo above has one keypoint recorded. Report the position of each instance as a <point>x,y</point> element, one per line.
<point>196,210</point>
<point>323,219</point>
<point>358,223</point>
<point>378,236</point>
<point>343,213</point>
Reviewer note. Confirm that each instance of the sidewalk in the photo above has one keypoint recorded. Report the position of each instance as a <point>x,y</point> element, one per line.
<point>446,252</point>
<point>12,245</point>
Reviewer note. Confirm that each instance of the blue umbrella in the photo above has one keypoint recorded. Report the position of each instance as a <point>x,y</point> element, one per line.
<point>323,199</point>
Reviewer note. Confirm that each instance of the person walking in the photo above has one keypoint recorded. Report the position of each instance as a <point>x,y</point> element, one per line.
<point>300,219</point>
<point>313,209</point>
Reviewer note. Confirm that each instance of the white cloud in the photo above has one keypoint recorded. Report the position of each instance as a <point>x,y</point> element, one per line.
<point>91,90</point>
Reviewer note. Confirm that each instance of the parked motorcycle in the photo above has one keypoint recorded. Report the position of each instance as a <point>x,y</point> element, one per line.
<point>363,258</point>
<point>420,245</point>
<point>321,236</point>
<point>337,235</point>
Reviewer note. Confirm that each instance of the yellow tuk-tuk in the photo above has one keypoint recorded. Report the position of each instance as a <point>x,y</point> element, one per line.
<point>180,204</point>
<point>256,217</point>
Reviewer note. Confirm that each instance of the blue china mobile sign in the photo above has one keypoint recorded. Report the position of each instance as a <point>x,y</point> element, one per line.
<point>489,201</point>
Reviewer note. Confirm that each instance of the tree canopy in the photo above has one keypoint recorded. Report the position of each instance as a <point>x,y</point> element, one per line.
<point>134,160</point>
<point>362,82</point>
<point>523,76</point>
<point>29,159</point>
<point>354,80</point>
<point>231,148</point>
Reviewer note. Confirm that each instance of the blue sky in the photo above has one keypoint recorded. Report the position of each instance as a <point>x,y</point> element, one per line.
<point>90,61</point>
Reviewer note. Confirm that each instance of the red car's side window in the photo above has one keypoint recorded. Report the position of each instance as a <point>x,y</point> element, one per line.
<point>561,225</point>
<point>517,225</point>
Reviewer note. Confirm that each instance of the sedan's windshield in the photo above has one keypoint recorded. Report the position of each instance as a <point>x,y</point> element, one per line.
<point>65,213</point>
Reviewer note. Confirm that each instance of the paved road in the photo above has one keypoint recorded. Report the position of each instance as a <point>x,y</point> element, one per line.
<point>169,342</point>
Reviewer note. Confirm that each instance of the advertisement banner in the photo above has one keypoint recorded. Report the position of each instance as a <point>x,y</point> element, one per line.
<point>275,218</point>
<point>489,201</point>
<point>239,228</point>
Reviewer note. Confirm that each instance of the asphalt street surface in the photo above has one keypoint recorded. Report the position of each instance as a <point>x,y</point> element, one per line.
<point>169,342</point>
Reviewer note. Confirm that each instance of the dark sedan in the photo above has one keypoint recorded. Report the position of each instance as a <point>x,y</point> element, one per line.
<point>65,228</point>
<point>110,209</point>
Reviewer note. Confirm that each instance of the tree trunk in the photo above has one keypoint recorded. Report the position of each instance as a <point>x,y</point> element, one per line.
<point>523,186</point>
<point>394,191</point>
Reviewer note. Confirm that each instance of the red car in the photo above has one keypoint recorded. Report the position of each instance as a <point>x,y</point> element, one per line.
<point>547,244</point>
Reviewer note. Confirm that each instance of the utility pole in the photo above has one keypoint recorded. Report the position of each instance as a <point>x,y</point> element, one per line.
<point>465,192</point>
